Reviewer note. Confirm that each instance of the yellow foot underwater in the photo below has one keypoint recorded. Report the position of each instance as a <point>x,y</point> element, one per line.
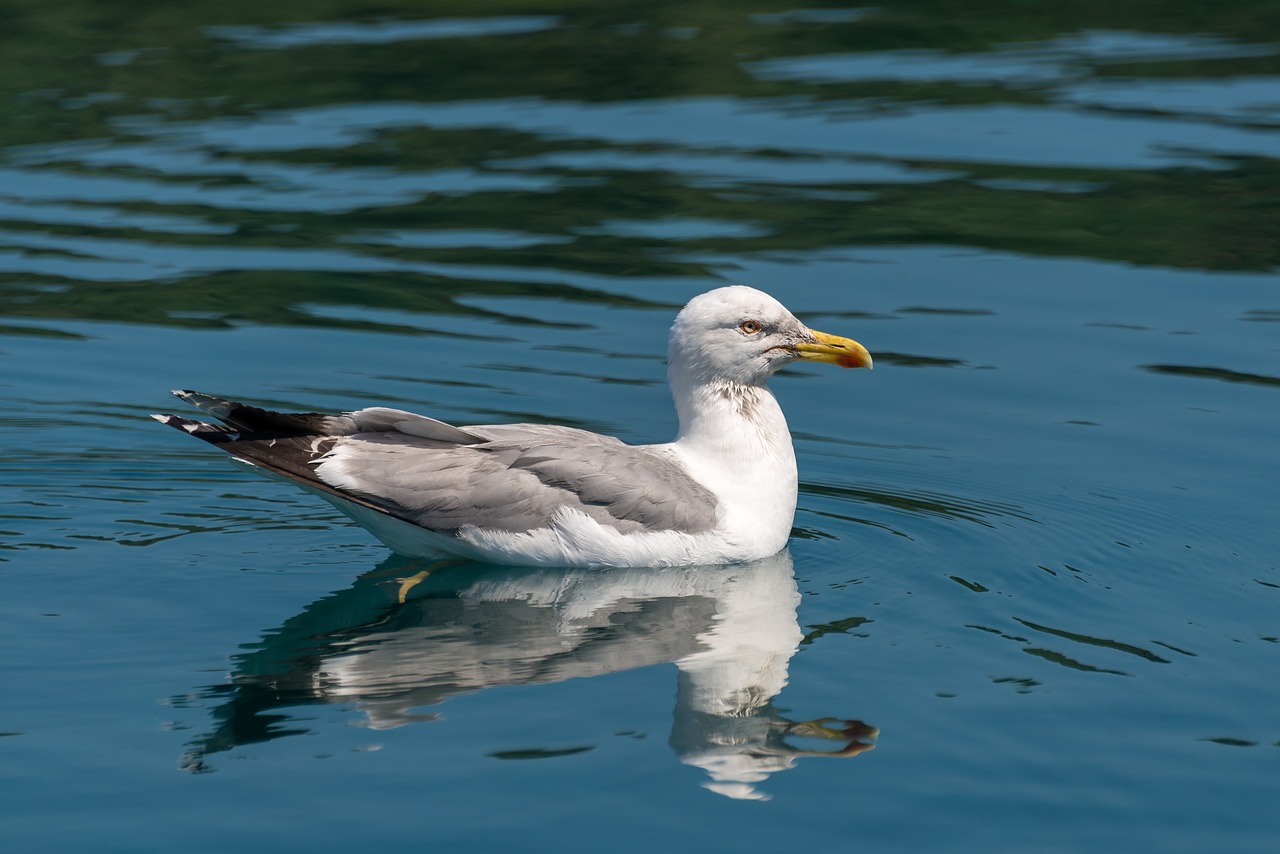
<point>408,582</point>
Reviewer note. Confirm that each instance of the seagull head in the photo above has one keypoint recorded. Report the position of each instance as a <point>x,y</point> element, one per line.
<point>741,335</point>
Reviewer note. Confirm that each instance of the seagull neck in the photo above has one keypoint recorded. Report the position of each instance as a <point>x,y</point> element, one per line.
<point>731,419</point>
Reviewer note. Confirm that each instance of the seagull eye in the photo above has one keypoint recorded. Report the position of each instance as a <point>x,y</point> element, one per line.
<point>750,327</point>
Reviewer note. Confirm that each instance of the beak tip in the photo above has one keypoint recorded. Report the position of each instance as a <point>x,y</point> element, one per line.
<point>857,358</point>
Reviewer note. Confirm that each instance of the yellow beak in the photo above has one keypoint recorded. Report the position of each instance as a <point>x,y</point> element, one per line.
<point>844,352</point>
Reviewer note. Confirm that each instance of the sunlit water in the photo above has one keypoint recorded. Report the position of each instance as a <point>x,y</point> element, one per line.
<point>1032,601</point>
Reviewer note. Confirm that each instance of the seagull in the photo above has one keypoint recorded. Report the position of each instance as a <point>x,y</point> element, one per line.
<point>724,491</point>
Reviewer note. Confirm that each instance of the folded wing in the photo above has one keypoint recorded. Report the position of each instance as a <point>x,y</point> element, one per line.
<point>513,477</point>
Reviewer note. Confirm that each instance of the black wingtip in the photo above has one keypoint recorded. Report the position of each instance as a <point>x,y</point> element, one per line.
<point>176,421</point>
<point>212,433</point>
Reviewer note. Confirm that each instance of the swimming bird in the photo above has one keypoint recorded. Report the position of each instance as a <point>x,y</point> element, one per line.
<point>723,491</point>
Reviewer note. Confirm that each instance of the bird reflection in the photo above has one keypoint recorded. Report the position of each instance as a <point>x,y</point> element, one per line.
<point>409,635</point>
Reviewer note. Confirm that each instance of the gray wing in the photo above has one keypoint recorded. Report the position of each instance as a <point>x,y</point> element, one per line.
<point>520,479</point>
<point>513,477</point>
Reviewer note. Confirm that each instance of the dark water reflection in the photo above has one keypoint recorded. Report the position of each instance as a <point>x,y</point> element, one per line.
<point>595,141</point>
<point>410,635</point>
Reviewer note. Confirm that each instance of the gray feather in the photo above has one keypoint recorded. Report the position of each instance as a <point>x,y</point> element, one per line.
<point>520,482</point>
<point>510,477</point>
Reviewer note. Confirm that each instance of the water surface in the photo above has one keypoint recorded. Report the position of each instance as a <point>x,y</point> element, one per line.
<point>1032,596</point>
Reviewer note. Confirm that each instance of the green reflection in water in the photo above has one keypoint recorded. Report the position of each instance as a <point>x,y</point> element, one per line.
<point>88,70</point>
<point>1222,374</point>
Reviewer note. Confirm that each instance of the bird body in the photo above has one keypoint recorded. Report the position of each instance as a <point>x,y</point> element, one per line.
<point>723,491</point>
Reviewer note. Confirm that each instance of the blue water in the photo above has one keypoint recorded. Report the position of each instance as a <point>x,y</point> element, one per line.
<point>1032,594</point>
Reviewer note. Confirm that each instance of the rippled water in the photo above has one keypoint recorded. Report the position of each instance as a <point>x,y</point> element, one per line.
<point>1032,601</point>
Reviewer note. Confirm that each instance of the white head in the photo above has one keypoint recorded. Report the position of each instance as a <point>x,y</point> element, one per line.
<point>741,336</point>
